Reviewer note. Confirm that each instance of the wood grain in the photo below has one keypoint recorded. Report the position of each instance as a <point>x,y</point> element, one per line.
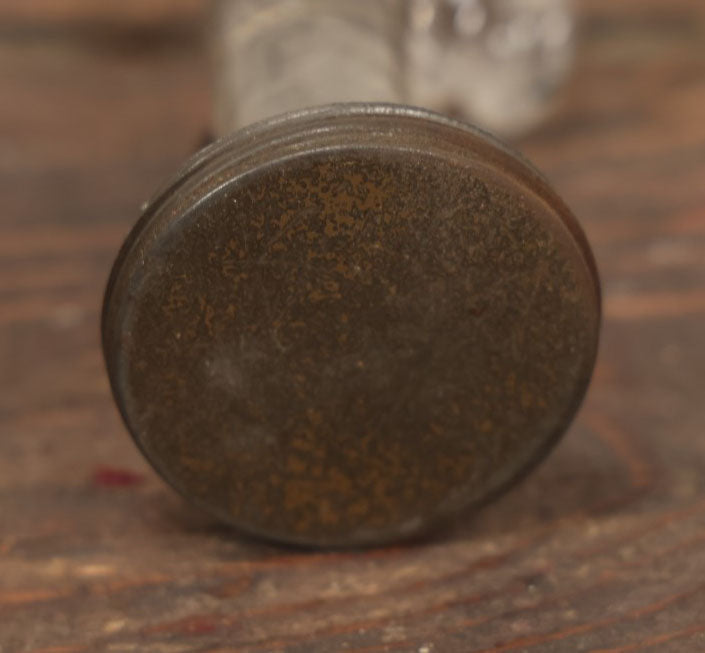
<point>602,549</point>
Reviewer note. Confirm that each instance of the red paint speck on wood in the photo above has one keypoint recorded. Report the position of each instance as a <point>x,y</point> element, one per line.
<point>114,477</point>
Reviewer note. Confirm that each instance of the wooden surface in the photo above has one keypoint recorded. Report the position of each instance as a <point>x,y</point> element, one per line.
<point>602,549</point>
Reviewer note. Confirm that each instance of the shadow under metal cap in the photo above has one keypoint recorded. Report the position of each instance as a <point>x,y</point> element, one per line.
<point>348,324</point>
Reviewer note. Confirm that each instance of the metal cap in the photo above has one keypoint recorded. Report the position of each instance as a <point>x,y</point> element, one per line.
<point>346,325</point>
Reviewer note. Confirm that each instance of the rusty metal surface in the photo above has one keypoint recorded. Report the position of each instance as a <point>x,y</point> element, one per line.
<point>346,326</point>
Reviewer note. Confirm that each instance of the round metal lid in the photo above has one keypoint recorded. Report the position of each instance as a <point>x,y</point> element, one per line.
<point>345,325</point>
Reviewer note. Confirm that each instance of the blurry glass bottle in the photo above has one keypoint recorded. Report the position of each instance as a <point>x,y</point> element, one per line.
<point>274,56</point>
<point>497,63</point>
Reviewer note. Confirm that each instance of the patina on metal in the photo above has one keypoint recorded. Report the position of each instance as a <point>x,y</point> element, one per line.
<point>346,325</point>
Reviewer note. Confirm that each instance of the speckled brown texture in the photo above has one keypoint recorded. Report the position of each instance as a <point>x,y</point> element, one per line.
<point>345,346</point>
